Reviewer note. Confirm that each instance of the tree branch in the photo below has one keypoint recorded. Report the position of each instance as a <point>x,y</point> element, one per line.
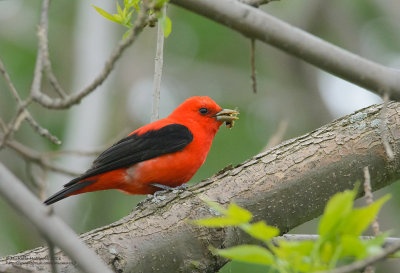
<point>286,186</point>
<point>66,102</point>
<point>254,23</point>
<point>158,66</point>
<point>49,225</point>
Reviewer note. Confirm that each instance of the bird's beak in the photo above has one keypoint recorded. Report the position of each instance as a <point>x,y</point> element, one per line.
<point>228,116</point>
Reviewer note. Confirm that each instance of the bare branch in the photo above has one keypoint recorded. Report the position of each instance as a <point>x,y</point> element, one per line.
<point>253,65</point>
<point>369,200</point>
<point>10,84</point>
<point>369,197</point>
<point>254,23</point>
<point>22,114</point>
<point>52,256</point>
<point>63,103</point>
<point>158,68</point>
<point>37,158</point>
<point>17,195</point>
<point>383,129</point>
<point>313,237</point>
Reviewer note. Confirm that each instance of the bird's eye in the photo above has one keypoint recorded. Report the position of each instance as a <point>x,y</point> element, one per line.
<point>203,110</point>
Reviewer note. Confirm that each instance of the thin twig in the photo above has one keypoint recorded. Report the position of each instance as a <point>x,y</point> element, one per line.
<point>314,237</point>
<point>384,130</point>
<point>42,131</point>
<point>47,65</point>
<point>359,265</point>
<point>42,37</point>
<point>10,84</point>
<point>63,103</point>
<point>253,65</point>
<point>22,114</point>
<point>37,158</point>
<point>52,256</point>
<point>158,66</point>
<point>369,200</point>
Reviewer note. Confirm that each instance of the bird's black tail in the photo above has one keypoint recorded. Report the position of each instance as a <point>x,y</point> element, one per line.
<point>67,191</point>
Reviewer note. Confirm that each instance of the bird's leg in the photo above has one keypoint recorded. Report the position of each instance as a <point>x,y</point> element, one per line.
<point>167,188</point>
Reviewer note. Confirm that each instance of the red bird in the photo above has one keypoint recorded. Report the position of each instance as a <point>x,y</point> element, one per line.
<point>159,155</point>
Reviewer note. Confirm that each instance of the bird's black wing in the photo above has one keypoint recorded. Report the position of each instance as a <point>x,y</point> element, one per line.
<point>137,148</point>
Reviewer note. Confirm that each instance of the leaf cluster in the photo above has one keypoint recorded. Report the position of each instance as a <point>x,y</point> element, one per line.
<point>124,16</point>
<point>338,243</point>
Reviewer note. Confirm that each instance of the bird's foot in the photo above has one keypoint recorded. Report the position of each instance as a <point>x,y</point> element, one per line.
<point>165,188</point>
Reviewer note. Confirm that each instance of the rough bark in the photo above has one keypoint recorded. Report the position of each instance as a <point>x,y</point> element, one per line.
<point>286,186</point>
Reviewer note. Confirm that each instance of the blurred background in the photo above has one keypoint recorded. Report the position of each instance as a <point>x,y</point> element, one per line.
<point>200,58</point>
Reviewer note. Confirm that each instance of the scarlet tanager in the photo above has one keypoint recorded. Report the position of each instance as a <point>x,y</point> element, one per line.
<point>162,154</point>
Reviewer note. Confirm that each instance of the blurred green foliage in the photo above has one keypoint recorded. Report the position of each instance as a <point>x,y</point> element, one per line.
<point>338,242</point>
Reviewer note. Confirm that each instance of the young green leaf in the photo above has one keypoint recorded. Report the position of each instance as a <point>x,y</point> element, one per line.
<point>119,9</point>
<point>360,218</point>
<point>166,25</point>
<point>352,246</point>
<point>296,254</point>
<point>215,206</point>
<point>240,214</point>
<point>105,14</point>
<point>260,230</point>
<point>337,209</point>
<point>248,253</point>
<point>233,216</point>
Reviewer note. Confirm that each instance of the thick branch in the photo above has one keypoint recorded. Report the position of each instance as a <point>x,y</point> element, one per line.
<point>49,225</point>
<point>286,186</point>
<point>254,23</point>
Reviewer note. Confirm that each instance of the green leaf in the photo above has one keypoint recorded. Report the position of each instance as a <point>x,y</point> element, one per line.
<point>118,18</point>
<point>352,246</point>
<point>240,214</point>
<point>337,209</point>
<point>166,25</point>
<point>260,230</point>
<point>215,206</point>
<point>248,253</point>
<point>119,8</point>
<point>233,216</point>
<point>295,254</point>
<point>105,14</point>
<point>160,3</point>
<point>359,219</point>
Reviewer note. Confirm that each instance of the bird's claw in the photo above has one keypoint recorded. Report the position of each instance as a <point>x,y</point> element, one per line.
<point>165,188</point>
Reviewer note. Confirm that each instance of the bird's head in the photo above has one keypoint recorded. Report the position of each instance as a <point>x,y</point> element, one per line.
<point>204,111</point>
